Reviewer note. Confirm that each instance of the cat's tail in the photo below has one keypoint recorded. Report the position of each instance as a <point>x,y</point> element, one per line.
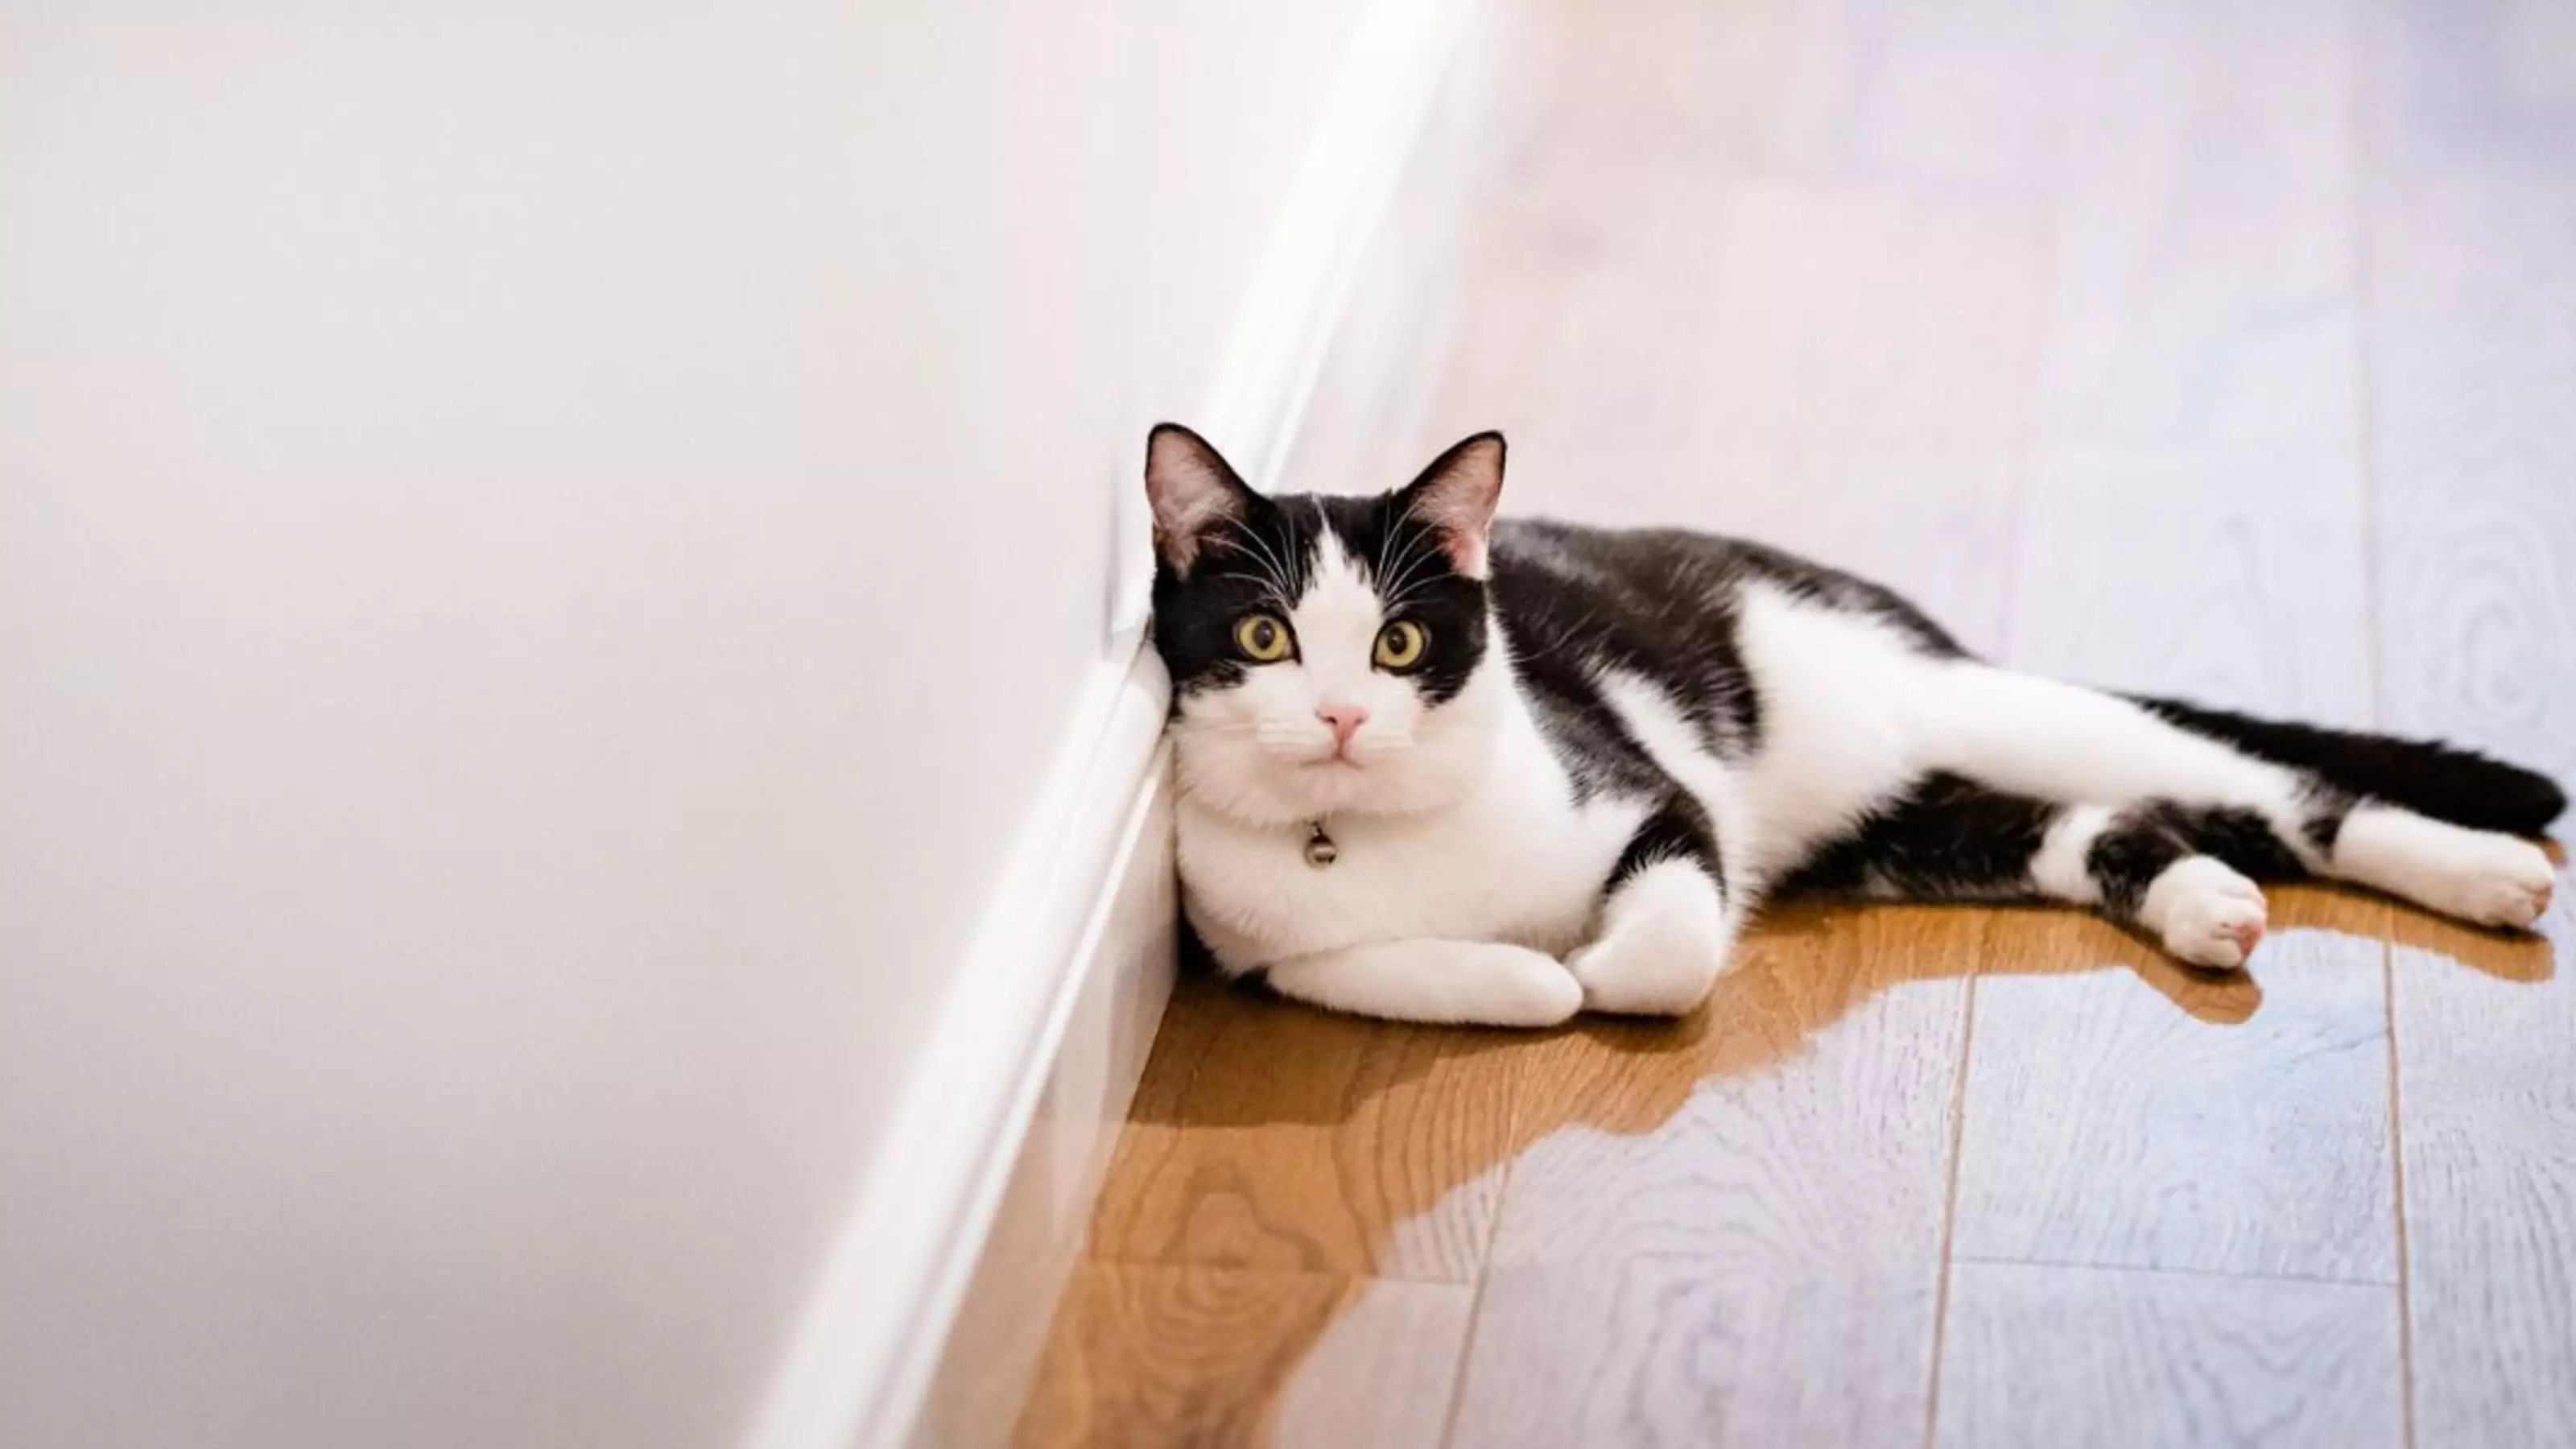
<point>2460,786</point>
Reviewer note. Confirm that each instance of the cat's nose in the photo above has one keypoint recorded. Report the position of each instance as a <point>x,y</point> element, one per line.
<point>1345,720</point>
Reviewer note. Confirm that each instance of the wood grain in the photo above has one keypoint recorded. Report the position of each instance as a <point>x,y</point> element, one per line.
<point>2235,576</point>
<point>2049,1357</point>
<point>2113,1122</point>
<point>2486,1028</point>
<point>2106,1126</point>
<point>1221,1356</point>
<point>2202,287</point>
<point>1729,1232</point>
<point>1269,1135</point>
<point>2471,239</point>
<point>1925,519</point>
<point>1842,311</point>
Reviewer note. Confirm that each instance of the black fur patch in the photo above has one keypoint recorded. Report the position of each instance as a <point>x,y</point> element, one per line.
<point>2141,841</point>
<point>2129,854</point>
<point>1678,830</point>
<point>2323,809</point>
<point>2425,776</point>
<point>1947,838</point>
<point>1660,603</point>
<point>1261,561</point>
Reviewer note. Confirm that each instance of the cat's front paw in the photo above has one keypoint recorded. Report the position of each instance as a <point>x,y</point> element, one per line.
<point>1663,944</point>
<point>1629,975</point>
<point>2207,914</point>
<point>1531,991</point>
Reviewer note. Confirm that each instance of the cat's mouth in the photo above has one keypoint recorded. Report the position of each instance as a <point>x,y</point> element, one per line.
<point>1333,760</point>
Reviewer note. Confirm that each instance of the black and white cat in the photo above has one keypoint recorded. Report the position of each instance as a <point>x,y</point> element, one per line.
<point>1437,767</point>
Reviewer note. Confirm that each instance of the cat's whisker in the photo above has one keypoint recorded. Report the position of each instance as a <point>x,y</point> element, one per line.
<point>1395,605</point>
<point>1388,569</point>
<point>1377,566</point>
<point>1269,589</point>
<point>1413,556</point>
<point>1269,562</point>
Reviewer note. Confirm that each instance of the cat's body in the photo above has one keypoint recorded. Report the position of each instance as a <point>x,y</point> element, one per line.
<point>1499,772</point>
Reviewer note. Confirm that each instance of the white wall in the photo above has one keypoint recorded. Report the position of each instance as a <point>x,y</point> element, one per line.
<point>540,558</point>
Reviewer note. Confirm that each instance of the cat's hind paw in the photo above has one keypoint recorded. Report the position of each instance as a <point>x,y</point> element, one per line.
<point>2498,880</point>
<point>2474,875</point>
<point>2208,914</point>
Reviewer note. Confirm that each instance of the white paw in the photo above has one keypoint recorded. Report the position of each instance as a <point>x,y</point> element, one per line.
<point>2495,880</point>
<point>2207,913</point>
<point>1537,992</point>
<point>2476,875</point>
<point>1631,975</point>
<point>1663,944</point>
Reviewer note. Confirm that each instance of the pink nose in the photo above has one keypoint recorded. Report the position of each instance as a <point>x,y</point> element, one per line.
<point>1345,719</point>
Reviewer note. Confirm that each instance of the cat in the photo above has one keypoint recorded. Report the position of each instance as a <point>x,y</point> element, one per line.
<point>1434,766</point>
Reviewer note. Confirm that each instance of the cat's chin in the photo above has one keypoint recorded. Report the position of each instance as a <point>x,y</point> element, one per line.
<point>1277,792</point>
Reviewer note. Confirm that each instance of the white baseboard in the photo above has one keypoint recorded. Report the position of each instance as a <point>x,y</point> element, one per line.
<point>991,1354</point>
<point>1082,919</point>
<point>926,1323</point>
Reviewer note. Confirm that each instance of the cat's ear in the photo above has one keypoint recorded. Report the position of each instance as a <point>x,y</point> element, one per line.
<point>1193,490</point>
<point>1456,496</point>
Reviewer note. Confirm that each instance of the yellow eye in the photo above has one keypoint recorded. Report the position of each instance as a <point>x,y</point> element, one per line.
<point>1263,639</point>
<point>1400,644</point>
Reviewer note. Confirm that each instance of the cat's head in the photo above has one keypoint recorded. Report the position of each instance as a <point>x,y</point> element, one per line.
<point>1327,654</point>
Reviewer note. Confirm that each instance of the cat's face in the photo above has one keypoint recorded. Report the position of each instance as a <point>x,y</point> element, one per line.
<point>1327,654</point>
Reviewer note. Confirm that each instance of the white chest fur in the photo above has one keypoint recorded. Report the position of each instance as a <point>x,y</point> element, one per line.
<point>1513,860</point>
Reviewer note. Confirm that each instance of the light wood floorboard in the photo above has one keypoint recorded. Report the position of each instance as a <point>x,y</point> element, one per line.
<point>2111,1118</point>
<point>2165,1359</point>
<point>1160,1355</point>
<point>2470,229</point>
<point>1728,1232</point>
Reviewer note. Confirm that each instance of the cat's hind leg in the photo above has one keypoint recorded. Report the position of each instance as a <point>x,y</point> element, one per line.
<point>2141,861</point>
<point>2184,874</point>
<point>2476,875</point>
<point>2324,798</point>
<point>1667,926</point>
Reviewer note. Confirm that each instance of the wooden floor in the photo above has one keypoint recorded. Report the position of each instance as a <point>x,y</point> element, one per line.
<point>2207,346</point>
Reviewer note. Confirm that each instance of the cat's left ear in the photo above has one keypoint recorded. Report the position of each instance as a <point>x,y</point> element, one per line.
<point>1194,492</point>
<point>1456,497</point>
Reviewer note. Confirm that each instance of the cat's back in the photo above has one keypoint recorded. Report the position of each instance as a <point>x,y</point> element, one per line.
<point>1652,596</point>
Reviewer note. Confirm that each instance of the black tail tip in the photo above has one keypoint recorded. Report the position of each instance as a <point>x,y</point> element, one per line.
<point>2506,797</point>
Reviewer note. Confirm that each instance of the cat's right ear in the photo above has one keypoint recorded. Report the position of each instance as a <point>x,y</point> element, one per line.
<point>1194,492</point>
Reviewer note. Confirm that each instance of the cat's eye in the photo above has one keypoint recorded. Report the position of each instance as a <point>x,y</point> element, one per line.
<point>1400,645</point>
<point>1262,638</point>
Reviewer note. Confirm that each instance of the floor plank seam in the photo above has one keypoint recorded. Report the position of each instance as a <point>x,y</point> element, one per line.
<point>1484,1275</point>
<point>2225,1275</point>
<point>2366,498</point>
<point>1950,1210</point>
<point>1466,1355</point>
<point>2397,1186</point>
